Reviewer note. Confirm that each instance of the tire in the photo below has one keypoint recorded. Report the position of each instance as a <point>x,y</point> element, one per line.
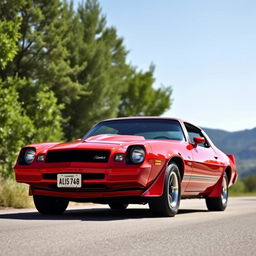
<point>118,206</point>
<point>168,204</point>
<point>50,205</point>
<point>219,203</point>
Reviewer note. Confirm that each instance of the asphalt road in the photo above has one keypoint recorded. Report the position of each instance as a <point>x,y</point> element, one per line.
<point>96,230</point>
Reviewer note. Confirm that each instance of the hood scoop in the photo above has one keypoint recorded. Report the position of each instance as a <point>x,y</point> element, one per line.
<point>113,139</point>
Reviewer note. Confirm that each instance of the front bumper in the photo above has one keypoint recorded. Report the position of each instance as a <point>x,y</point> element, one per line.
<point>96,182</point>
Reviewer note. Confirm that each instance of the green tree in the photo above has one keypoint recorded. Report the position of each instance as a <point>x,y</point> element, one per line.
<point>40,104</point>
<point>39,120</point>
<point>141,98</point>
<point>105,71</point>
<point>238,187</point>
<point>9,36</point>
<point>42,54</point>
<point>15,125</point>
<point>250,183</point>
<point>73,53</point>
<point>16,128</point>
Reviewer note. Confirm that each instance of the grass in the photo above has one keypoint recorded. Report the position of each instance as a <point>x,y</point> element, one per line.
<point>13,194</point>
<point>241,194</point>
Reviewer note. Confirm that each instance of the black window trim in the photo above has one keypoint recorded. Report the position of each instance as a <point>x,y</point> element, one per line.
<point>201,131</point>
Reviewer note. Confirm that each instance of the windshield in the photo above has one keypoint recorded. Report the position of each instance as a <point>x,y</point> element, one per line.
<point>166,129</point>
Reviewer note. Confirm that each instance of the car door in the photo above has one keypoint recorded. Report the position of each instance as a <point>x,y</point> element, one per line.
<point>206,168</point>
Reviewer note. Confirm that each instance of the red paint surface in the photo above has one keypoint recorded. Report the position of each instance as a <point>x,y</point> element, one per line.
<point>202,168</point>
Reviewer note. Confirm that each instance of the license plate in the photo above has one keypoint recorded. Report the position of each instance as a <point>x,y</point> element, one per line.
<point>67,180</point>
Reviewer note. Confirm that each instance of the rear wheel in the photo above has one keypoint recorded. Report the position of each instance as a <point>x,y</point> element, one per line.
<point>118,206</point>
<point>50,205</point>
<point>167,205</point>
<point>219,203</point>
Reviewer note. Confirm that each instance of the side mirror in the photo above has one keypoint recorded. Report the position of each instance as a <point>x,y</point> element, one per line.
<point>199,140</point>
<point>79,139</point>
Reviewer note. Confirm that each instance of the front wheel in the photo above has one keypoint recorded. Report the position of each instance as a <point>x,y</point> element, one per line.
<point>50,205</point>
<point>219,203</point>
<point>167,205</point>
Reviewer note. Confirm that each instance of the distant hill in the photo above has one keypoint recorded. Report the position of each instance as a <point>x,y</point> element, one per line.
<point>241,143</point>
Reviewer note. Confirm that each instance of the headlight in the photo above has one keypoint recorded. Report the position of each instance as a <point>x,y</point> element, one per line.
<point>29,155</point>
<point>137,155</point>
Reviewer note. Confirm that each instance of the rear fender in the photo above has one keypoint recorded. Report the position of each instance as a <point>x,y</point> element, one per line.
<point>234,175</point>
<point>217,188</point>
<point>232,158</point>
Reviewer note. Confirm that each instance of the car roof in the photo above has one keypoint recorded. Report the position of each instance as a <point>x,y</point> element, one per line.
<point>143,117</point>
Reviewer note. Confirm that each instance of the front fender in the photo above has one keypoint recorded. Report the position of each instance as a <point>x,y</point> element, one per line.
<point>157,188</point>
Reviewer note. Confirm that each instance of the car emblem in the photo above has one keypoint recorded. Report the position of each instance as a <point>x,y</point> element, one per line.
<point>99,157</point>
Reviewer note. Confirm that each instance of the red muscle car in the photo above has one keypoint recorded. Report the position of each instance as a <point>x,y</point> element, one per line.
<point>152,160</point>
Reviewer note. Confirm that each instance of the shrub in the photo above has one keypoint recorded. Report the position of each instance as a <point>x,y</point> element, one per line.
<point>13,194</point>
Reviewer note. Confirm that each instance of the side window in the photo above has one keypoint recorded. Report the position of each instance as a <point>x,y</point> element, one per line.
<point>195,132</point>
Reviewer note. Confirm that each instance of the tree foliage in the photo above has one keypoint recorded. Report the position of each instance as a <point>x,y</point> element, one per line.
<point>9,36</point>
<point>105,71</point>
<point>40,104</point>
<point>141,98</point>
<point>245,185</point>
<point>16,127</point>
<point>63,69</point>
<point>36,121</point>
<point>42,54</point>
<point>250,183</point>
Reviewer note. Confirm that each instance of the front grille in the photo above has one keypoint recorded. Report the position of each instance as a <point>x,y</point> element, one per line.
<point>89,156</point>
<point>85,176</point>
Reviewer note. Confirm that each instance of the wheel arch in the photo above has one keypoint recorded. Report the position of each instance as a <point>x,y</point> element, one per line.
<point>180,163</point>
<point>156,189</point>
<point>228,171</point>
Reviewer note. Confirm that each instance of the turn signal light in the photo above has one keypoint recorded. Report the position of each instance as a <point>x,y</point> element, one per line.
<point>119,157</point>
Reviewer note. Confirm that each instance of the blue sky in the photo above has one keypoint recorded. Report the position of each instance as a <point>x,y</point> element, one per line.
<point>204,49</point>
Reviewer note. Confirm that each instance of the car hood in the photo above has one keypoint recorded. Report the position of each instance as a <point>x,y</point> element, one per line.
<point>116,139</point>
<point>96,142</point>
